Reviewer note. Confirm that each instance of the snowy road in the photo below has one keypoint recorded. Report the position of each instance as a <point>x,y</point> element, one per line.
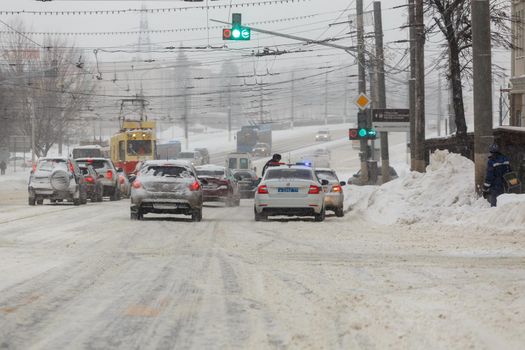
<point>89,278</point>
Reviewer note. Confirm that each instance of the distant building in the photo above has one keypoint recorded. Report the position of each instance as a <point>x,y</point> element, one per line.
<point>517,93</point>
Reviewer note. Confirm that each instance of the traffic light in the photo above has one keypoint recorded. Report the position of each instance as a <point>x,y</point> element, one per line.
<point>362,134</point>
<point>237,31</point>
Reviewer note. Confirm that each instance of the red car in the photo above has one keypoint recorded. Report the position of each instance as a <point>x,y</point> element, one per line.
<point>220,185</point>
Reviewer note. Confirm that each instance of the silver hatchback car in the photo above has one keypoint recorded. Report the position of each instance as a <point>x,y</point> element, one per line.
<point>166,187</point>
<point>334,197</point>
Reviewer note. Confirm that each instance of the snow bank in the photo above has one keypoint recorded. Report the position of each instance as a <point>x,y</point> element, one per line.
<point>443,195</point>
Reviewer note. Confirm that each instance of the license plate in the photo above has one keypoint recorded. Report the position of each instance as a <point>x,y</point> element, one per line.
<point>165,206</point>
<point>287,189</point>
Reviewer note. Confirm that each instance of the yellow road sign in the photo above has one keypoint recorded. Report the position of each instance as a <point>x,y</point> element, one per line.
<point>362,101</point>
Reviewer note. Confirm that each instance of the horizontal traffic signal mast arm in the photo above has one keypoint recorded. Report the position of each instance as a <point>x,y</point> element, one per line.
<point>294,37</point>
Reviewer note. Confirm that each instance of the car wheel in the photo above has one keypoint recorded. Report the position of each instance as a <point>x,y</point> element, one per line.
<point>83,198</point>
<point>31,201</point>
<point>53,201</point>
<point>76,201</point>
<point>320,217</point>
<point>339,212</point>
<point>40,201</point>
<point>238,201</point>
<point>259,217</point>
<point>196,215</point>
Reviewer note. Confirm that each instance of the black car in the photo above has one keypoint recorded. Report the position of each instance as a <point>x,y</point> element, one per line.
<point>247,181</point>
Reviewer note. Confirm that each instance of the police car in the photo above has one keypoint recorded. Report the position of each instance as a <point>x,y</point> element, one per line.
<point>290,190</point>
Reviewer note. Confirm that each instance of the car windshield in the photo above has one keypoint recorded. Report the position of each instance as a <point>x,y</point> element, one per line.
<point>168,171</point>
<point>210,173</point>
<point>326,175</point>
<point>323,132</point>
<point>51,164</point>
<point>97,164</point>
<point>300,174</point>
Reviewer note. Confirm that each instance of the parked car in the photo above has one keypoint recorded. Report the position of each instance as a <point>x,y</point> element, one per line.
<point>247,181</point>
<point>166,187</point>
<point>194,157</point>
<point>323,135</point>
<point>261,149</point>
<point>205,155</point>
<point>334,197</point>
<point>221,186</point>
<point>290,190</point>
<point>56,179</point>
<point>107,173</point>
<point>356,178</point>
<point>94,187</point>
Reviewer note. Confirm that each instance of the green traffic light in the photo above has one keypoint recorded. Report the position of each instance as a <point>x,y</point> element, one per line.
<point>236,33</point>
<point>372,132</point>
<point>362,132</point>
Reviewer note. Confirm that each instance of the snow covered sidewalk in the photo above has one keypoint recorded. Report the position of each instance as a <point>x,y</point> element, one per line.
<point>443,195</point>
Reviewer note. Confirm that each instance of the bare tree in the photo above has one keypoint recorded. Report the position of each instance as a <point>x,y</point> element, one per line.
<point>49,87</point>
<point>452,19</point>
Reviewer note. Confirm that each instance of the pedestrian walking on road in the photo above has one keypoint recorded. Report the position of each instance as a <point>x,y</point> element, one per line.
<point>497,166</point>
<point>3,165</point>
<point>275,161</point>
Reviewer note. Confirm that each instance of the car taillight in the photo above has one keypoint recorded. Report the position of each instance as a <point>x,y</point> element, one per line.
<point>34,167</point>
<point>337,188</point>
<point>109,175</point>
<point>90,179</point>
<point>314,190</point>
<point>195,186</point>
<point>71,167</point>
<point>263,189</point>
<point>136,184</point>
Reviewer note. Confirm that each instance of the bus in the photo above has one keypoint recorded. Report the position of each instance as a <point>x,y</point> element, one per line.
<point>135,142</point>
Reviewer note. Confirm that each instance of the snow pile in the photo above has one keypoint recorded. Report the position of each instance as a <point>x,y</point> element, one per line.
<point>444,194</point>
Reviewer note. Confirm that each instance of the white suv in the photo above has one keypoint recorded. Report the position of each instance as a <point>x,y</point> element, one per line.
<point>290,190</point>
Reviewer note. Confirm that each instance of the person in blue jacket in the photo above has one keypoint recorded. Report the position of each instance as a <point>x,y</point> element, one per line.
<point>497,166</point>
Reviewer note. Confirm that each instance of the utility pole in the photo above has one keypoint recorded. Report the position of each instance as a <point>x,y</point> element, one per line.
<point>381,88</point>
<point>326,98</point>
<point>482,64</point>
<point>229,112</point>
<point>362,115</point>
<point>412,81</point>
<point>419,159</point>
<point>292,110</point>
<point>439,106</point>
<point>261,103</point>
<point>345,104</point>
<point>185,119</point>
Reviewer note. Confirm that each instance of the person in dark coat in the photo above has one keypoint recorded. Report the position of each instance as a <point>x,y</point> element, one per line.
<point>3,165</point>
<point>275,161</point>
<point>497,166</point>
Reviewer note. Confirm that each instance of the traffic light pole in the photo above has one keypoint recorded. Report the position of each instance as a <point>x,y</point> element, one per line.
<point>381,88</point>
<point>362,117</point>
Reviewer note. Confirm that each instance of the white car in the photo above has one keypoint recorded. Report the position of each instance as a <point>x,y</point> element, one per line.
<point>290,190</point>
<point>194,157</point>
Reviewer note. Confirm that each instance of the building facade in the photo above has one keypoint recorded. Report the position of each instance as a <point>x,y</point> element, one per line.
<point>517,93</point>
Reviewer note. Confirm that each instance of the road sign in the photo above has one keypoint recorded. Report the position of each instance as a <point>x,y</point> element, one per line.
<point>393,120</point>
<point>362,101</point>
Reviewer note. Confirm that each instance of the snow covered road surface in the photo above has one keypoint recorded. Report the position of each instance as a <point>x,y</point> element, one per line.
<point>88,277</point>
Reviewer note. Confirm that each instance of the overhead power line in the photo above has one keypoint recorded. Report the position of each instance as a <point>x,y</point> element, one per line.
<point>157,10</point>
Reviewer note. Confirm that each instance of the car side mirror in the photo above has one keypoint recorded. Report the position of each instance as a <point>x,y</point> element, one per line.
<point>132,178</point>
<point>325,182</point>
<point>342,183</point>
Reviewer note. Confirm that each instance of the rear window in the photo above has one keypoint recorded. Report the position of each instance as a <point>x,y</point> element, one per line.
<point>96,164</point>
<point>187,155</point>
<point>212,173</point>
<point>243,176</point>
<point>51,164</point>
<point>300,174</point>
<point>326,175</point>
<point>168,171</point>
